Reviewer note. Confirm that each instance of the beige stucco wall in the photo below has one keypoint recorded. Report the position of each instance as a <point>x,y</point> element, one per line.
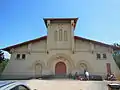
<point>84,52</point>
<point>35,54</point>
<point>39,46</point>
<point>56,44</point>
<point>38,54</point>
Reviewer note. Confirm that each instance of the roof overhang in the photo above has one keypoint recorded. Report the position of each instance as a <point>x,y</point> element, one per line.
<point>23,43</point>
<point>45,37</point>
<point>60,19</point>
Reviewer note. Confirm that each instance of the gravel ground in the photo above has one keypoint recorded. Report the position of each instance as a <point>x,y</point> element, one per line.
<point>68,84</point>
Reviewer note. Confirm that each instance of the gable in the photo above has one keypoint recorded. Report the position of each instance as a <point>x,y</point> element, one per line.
<point>45,38</point>
<point>24,43</point>
<point>85,45</point>
<point>82,45</point>
<point>39,45</point>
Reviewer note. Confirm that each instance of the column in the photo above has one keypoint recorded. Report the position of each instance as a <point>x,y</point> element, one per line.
<point>48,30</point>
<point>72,34</point>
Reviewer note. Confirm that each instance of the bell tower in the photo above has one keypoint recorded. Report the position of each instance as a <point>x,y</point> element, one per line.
<point>60,33</point>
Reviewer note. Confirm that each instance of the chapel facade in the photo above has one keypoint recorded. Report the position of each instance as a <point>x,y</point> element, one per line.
<point>60,53</point>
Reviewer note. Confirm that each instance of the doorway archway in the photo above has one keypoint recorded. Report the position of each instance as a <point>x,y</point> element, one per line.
<point>38,69</point>
<point>60,68</point>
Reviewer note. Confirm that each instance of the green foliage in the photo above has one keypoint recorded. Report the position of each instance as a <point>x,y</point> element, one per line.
<point>116,55</point>
<point>1,56</point>
<point>3,61</point>
<point>3,64</point>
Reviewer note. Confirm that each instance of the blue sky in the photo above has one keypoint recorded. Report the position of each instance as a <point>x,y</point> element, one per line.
<point>22,20</point>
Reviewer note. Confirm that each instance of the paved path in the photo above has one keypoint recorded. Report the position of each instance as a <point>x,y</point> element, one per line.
<point>67,85</point>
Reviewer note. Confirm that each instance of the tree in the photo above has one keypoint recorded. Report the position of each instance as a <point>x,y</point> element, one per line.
<point>116,54</point>
<point>1,56</point>
<point>3,61</point>
<point>3,65</point>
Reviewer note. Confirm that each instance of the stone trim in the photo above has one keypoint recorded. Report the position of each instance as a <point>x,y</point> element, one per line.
<point>88,66</point>
<point>39,62</point>
<point>30,51</point>
<point>60,49</point>
<point>63,58</point>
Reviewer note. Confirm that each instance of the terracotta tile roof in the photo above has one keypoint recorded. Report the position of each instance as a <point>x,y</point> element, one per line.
<point>45,37</point>
<point>20,44</point>
<point>95,42</point>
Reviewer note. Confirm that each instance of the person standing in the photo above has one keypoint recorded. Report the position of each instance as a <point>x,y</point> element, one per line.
<point>86,74</point>
<point>76,75</point>
<point>70,75</point>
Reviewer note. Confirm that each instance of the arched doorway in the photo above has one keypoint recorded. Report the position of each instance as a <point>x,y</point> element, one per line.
<point>60,68</point>
<point>82,67</point>
<point>38,70</point>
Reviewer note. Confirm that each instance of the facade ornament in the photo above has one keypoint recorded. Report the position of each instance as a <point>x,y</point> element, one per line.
<point>92,51</point>
<point>72,35</point>
<point>83,65</point>
<point>47,52</point>
<point>12,50</point>
<point>73,52</point>
<point>92,47</point>
<point>73,24</point>
<point>48,23</point>
<point>110,50</point>
<point>48,27</point>
<point>60,57</point>
<point>29,48</point>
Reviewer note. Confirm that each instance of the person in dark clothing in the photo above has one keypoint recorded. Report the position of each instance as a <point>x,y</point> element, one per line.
<point>108,76</point>
<point>70,75</point>
<point>112,77</point>
<point>85,74</point>
<point>76,75</point>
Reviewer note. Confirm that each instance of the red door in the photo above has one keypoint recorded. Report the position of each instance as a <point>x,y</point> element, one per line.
<point>108,67</point>
<point>60,68</point>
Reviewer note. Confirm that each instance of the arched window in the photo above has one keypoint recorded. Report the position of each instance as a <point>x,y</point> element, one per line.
<point>60,34</point>
<point>56,35</point>
<point>65,36</point>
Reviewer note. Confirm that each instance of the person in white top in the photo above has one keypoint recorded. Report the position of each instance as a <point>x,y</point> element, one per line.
<point>87,75</point>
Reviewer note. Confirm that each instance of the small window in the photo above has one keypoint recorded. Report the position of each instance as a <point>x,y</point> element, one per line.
<point>23,56</point>
<point>98,56</point>
<point>18,56</point>
<point>104,56</point>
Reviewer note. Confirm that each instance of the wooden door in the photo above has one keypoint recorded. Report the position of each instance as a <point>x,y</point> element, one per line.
<point>60,68</point>
<point>108,66</point>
